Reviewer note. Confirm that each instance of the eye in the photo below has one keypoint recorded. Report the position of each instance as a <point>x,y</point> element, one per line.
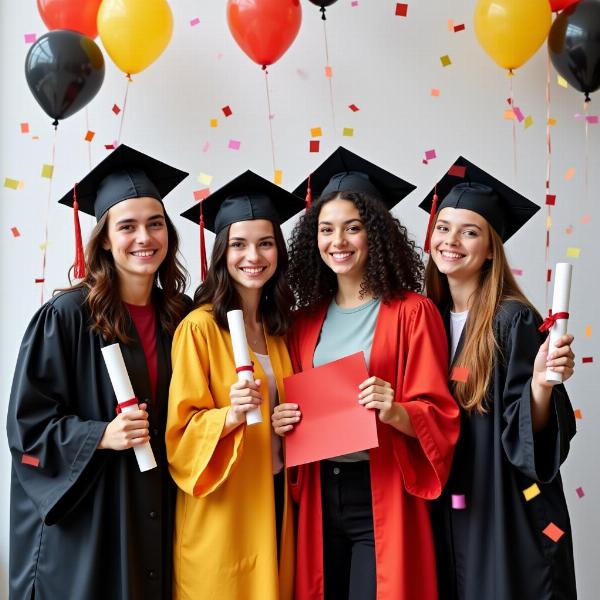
<point>125,227</point>
<point>157,225</point>
<point>354,228</point>
<point>325,230</point>
<point>267,244</point>
<point>470,233</point>
<point>235,244</point>
<point>441,228</point>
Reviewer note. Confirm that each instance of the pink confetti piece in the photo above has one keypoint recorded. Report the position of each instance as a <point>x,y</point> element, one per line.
<point>459,502</point>
<point>302,73</point>
<point>234,144</point>
<point>205,146</point>
<point>569,174</point>
<point>578,116</point>
<point>430,154</point>
<point>328,72</point>
<point>16,233</point>
<point>580,493</point>
<point>517,272</point>
<point>116,109</point>
<point>401,9</point>
<point>592,119</point>
<point>354,3</point>
<point>201,194</point>
<point>435,92</point>
<point>30,38</point>
<point>585,219</point>
<point>195,21</point>
<point>520,116</point>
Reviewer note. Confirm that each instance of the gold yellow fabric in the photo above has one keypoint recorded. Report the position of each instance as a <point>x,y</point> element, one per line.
<point>225,541</point>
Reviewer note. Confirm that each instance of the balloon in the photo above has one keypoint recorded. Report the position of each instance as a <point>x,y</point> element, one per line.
<point>323,4</point>
<point>557,5</point>
<point>135,32</point>
<point>78,15</point>
<point>64,71</point>
<point>574,45</point>
<point>264,29</point>
<point>511,31</point>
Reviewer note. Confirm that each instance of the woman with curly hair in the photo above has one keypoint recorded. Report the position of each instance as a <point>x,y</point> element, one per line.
<point>363,521</point>
<point>85,522</point>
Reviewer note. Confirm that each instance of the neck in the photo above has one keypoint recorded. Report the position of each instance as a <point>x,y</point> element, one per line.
<point>463,293</point>
<point>348,293</point>
<point>136,290</point>
<point>250,301</point>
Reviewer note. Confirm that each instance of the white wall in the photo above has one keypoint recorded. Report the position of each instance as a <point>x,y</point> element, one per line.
<point>387,66</point>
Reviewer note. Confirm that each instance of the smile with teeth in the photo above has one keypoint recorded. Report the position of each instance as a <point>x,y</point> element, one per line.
<point>448,254</point>
<point>144,253</point>
<point>340,255</point>
<point>252,270</point>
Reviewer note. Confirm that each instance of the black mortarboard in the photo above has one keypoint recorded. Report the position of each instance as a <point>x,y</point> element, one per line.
<point>467,186</point>
<point>125,173</point>
<point>345,171</point>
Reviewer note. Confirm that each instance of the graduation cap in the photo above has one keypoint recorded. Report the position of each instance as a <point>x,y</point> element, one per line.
<point>467,186</point>
<point>345,171</point>
<point>245,198</point>
<point>124,174</point>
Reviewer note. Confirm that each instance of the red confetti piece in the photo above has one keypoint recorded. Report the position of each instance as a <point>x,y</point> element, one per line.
<point>425,161</point>
<point>201,194</point>
<point>550,199</point>
<point>109,146</point>
<point>457,171</point>
<point>328,72</point>
<point>435,92</point>
<point>32,461</point>
<point>460,374</point>
<point>89,136</point>
<point>401,9</point>
<point>353,108</point>
<point>24,127</point>
<point>314,145</point>
<point>39,280</point>
<point>587,359</point>
<point>227,111</point>
<point>460,27</point>
<point>580,493</point>
<point>553,532</point>
<point>549,275</point>
<point>577,413</point>
<point>15,232</point>
<point>116,109</point>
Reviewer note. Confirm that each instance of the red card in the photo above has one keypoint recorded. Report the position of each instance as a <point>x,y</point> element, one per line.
<point>333,422</point>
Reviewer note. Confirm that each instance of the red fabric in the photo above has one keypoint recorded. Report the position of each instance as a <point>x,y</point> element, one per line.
<point>410,351</point>
<point>144,319</point>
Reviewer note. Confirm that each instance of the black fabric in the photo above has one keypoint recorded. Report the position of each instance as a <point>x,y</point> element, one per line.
<point>279,490</point>
<point>348,537</point>
<point>84,523</point>
<point>495,547</point>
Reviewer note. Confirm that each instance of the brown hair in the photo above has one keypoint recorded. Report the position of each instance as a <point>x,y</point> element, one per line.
<point>496,285</point>
<point>109,317</point>
<point>276,299</point>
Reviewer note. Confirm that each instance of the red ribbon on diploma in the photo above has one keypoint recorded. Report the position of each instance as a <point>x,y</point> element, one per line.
<point>244,368</point>
<point>551,319</point>
<point>125,404</point>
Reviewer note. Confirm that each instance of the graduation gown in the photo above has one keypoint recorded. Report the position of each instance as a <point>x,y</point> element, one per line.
<point>225,534</point>
<point>84,523</point>
<point>409,349</point>
<point>495,548</point>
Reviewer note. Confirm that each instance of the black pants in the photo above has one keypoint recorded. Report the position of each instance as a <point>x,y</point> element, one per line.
<point>348,540</point>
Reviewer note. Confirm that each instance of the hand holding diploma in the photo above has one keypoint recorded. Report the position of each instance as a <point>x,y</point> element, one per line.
<point>127,430</point>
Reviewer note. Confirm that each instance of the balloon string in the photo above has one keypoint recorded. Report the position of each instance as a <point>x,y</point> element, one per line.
<point>329,74</point>
<point>129,80</point>
<point>45,244</point>
<point>514,126</point>
<point>548,175</point>
<point>89,144</point>
<point>270,119</point>
<point>587,150</point>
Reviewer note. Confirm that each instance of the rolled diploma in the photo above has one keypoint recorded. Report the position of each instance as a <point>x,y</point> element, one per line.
<point>241,356</point>
<point>117,371</point>
<point>560,303</point>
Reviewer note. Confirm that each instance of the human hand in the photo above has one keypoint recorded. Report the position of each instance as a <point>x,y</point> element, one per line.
<point>562,360</point>
<point>284,418</point>
<point>126,430</point>
<point>244,396</point>
<point>377,393</point>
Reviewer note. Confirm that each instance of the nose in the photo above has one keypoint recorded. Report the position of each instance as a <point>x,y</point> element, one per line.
<point>252,253</point>
<point>143,235</point>
<point>338,238</point>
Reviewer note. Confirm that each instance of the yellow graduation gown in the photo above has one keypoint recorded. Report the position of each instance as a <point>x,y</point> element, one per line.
<point>225,544</point>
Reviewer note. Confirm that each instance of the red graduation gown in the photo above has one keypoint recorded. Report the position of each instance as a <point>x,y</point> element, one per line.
<point>410,351</point>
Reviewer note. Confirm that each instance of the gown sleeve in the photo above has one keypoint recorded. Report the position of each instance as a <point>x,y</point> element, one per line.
<point>199,461</point>
<point>425,461</point>
<point>539,455</point>
<point>51,445</point>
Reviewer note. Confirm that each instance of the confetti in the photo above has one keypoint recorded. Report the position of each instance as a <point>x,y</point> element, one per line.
<point>47,171</point>
<point>195,21</point>
<point>578,414</point>
<point>109,146</point>
<point>328,72</point>
<point>457,171</point>
<point>517,272</point>
<point>30,38</point>
<point>569,230</point>
<point>214,123</point>
<point>354,3</point>
<point>460,374</point>
<point>586,219</point>
<point>205,179</point>
<point>430,154</point>
<point>278,177</point>
<point>588,331</point>
<point>573,252</point>
<point>509,114</point>
<point>531,492</point>
<point>553,532</point>
<point>227,111</point>
<point>550,199</point>
<point>234,144</point>
<point>459,502</point>
<point>549,275</point>
<point>44,246</point>
<point>548,222</point>
<point>314,146</point>
<point>580,493</point>
<point>450,24</point>
<point>24,127</point>
<point>445,60</point>
<point>587,359</point>
<point>348,132</point>
<point>592,119</point>
<point>562,81</point>
<point>528,121</point>
<point>569,174</point>
<point>205,146</point>
<point>32,461</point>
<point>458,28</point>
<point>353,108</point>
<point>15,232</point>
<point>116,109</point>
<point>39,280</point>
<point>201,194</point>
<point>435,92</point>
<point>89,136</point>
<point>13,184</point>
<point>316,132</point>
<point>401,9</point>
<point>551,121</point>
<point>520,116</point>
<point>35,137</point>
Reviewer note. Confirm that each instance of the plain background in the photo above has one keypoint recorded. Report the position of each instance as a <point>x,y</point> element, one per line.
<point>384,64</point>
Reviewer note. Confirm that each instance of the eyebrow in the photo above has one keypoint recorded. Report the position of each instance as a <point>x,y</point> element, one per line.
<point>344,223</point>
<point>152,218</point>
<point>242,239</point>
<point>461,224</point>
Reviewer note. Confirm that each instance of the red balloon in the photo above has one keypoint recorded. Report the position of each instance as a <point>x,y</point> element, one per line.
<point>77,15</point>
<point>557,5</point>
<point>264,29</point>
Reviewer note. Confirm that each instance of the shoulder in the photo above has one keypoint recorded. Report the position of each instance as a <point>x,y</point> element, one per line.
<point>68,301</point>
<point>409,303</point>
<point>513,311</point>
<point>201,319</point>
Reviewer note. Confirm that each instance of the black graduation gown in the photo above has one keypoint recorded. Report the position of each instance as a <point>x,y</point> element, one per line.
<point>495,549</point>
<point>85,524</point>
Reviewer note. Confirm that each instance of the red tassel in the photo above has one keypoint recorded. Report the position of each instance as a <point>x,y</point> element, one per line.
<point>430,223</point>
<point>203,262</point>
<point>79,264</point>
<point>308,195</point>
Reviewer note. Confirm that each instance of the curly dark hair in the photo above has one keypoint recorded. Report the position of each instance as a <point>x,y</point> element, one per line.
<point>393,262</point>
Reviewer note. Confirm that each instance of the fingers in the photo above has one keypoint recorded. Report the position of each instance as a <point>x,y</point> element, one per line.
<point>285,407</point>
<point>373,381</point>
<point>564,340</point>
<point>377,391</point>
<point>244,385</point>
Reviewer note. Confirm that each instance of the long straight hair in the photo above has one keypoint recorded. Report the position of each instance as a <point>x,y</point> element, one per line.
<point>276,299</point>
<point>496,285</point>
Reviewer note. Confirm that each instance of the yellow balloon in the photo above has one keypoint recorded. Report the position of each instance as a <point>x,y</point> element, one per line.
<point>511,31</point>
<point>134,32</point>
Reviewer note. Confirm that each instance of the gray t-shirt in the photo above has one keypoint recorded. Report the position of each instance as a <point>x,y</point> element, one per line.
<point>347,331</point>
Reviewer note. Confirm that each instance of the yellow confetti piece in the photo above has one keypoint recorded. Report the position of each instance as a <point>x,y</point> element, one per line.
<point>509,115</point>
<point>205,179</point>
<point>528,121</point>
<point>531,492</point>
<point>316,132</point>
<point>348,131</point>
<point>445,60</point>
<point>214,123</point>
<point>13,184</point>
<point>47,171</point>
<point>573,252</point>
<point>44,246</point>
<point>551,122</point>
<point>569,174</point>
<point>278,177</point>
<point>588,331</point>
<point>548,222</point>
<point>561,81</point>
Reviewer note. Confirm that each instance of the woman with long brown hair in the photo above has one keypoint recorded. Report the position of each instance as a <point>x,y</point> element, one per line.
<point>502,526</point>
<point>85,522</point>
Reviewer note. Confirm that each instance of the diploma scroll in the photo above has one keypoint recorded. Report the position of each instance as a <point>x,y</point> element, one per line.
<point>241,356</point>
<point>560,304</point>
<point>117,371</point>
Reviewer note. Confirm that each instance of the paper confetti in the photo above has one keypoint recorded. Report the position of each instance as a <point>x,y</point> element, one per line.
<point>328,72</point>
<point>550,199</point>
<point>569,174</point>
<point>205,146</point>
<point>517,272</point>
<point>445,60</point>
<point>592,119</point>
<point>24,127</point>
<point>509,114</point>
<point>520,116</point>
<point>458,28</point>
<point>587,359</point>
<point>573,252</point>
<point>460,374</point>
<point>214,123</point>
<point>195,21</point>
<point>430,154</point>
<point>578,414</point>
<point>569,230</point>
<point>401,9</point>
<point>30,38</point>
<point>116,109</point>
<point>44,246</point>
<point>205,179</point>
<point>548,222</point>
<point>459,502</point>
<point>201,194</point>
<point>314,146</point>
<point>551,121</point>
<point>450,24</point>
<point>580,493</point>
<point>39,280</point>
<point>561,81</point>
<point>234,144</point>
<point>32,461</point>
<point>89,136</point>
<point>15,232</point>
<point>316,132</point>
<point>47,171</point>
<point>348,132</point>
<point>353,108</point>
<point>528,121</point>
<point>278,177</point>
<point>553,532</point>
<point>435,92</point>
<point>588,331</point>
<point>531,492</point>
<point>457,171</point>
<point>227,111</point>
<point>354,3</point>
<point>13,184</point>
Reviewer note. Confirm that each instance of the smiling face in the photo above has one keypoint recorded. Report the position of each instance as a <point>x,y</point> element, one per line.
<point>342,239</point>
<point>251,254</point>
<point>460,243</point>
<point>137,237</point>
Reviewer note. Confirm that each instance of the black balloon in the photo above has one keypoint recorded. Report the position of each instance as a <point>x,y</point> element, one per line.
<point>64,71</point>
<point>322,4</point>
<point>574,45</point>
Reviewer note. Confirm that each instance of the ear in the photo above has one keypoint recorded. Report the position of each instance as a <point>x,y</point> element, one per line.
<point>105,244</point>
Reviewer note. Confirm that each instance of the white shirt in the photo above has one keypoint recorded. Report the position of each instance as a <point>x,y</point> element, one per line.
<point>457,324</point>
